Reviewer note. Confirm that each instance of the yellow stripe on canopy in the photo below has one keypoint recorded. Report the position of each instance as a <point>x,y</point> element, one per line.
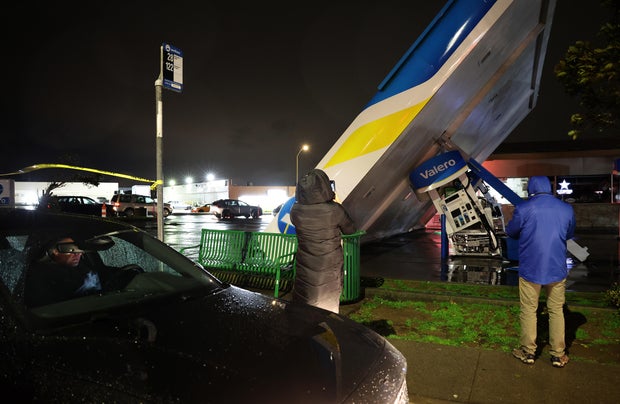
<point>375,135</point>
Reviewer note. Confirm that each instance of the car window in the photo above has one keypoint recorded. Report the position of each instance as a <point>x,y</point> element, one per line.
<point>124,253</point>
<point>88,201</point>
<point>241,203</point>
<point>233,203</point>
<point>148,200</point>
<point>162,271</point>
<point>13,254</point>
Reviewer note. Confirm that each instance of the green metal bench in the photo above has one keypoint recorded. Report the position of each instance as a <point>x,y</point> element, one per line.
<point>222,249</point>
<point>249,259</point>
<point>266,261</point>
<point>270,257</point>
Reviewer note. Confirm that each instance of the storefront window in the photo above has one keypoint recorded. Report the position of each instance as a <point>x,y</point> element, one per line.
<point>572,189</point>
<point>584,188</point>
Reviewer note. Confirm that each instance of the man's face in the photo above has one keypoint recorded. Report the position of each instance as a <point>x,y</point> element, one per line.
<point>70,259</point>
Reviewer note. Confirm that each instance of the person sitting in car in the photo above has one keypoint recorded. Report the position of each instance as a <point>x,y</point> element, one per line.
<point>62,273</point>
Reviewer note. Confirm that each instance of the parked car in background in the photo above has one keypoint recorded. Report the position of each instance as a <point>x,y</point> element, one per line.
<point>206,208</point>
<point>132,204</point>
<point>231,208</point>
<point>75,204</point>
<point>166,331</point>
<point>179,206</point>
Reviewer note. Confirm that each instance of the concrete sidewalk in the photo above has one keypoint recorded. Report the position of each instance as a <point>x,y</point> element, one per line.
<point>441,374</point>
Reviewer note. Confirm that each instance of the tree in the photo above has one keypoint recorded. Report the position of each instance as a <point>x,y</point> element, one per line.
<point>591,74</point>
<point>46,201</point>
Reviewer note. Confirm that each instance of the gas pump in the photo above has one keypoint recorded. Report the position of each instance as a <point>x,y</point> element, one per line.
<point>472,221</point>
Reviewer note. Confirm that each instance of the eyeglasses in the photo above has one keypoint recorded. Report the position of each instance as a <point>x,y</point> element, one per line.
<point>70,252</point>
<point>68,248</point>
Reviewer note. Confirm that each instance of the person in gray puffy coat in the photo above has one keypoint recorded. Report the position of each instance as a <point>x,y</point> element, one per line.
<point>319,223</point>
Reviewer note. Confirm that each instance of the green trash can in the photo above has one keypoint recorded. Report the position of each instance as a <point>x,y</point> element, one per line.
<point>351,250</point>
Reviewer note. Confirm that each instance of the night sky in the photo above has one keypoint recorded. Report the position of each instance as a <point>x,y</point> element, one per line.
<point>260,80</point>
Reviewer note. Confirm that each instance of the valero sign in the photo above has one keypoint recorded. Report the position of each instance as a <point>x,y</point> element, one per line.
<point>437,169</point>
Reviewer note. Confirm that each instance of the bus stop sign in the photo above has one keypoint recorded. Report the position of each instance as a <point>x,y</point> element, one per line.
<point>172,67</point>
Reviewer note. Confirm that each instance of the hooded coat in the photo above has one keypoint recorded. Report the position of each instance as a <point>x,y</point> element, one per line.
<point>319,223</point>
<point>542,224</point>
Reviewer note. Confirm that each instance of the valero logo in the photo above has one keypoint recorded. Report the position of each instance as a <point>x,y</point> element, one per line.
<point>436,169</point>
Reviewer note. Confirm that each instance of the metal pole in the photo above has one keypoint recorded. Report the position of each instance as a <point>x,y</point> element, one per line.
<point>159,149</point>
<point>445,243</point>
<point>297,166</point>
<point>303,148</point>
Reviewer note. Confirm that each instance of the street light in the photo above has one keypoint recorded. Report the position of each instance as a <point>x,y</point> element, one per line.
<point>303,148</point>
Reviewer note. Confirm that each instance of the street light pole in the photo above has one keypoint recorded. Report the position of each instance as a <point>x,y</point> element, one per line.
<point>303,148</point>
<point>159,152</point>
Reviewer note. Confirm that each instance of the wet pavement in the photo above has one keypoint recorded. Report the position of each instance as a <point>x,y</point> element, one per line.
<point>417,255</point>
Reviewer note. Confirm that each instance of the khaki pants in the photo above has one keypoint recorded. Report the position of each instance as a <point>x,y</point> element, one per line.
<point>529,294</point>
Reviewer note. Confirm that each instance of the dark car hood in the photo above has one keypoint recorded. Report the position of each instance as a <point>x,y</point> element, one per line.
<point>232,346</point>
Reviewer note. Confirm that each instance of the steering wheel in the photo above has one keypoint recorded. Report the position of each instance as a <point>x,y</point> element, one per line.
<point>132,267</point>
<point>121,277</point>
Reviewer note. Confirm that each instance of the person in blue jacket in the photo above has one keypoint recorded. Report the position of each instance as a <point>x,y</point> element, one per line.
<point>542,224</point>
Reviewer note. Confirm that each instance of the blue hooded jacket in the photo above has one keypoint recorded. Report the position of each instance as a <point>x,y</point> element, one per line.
<point>542,224</point>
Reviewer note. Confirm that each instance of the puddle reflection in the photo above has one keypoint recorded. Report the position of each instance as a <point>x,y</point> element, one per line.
<point>480,270</point>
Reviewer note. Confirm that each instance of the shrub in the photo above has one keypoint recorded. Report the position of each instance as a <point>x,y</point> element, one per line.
<point>612,296</point>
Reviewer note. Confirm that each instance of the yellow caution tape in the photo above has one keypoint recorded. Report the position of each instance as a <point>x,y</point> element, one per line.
<point>154,183</point>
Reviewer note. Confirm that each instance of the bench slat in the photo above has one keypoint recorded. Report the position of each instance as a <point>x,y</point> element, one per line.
<point>271,255</point>
<point>221,248</point>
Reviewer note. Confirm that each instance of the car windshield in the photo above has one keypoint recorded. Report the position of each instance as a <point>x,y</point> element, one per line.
<point>132,265</point>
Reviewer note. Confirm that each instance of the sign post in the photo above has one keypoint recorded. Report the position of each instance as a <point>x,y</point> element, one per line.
<point>170,77</point>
